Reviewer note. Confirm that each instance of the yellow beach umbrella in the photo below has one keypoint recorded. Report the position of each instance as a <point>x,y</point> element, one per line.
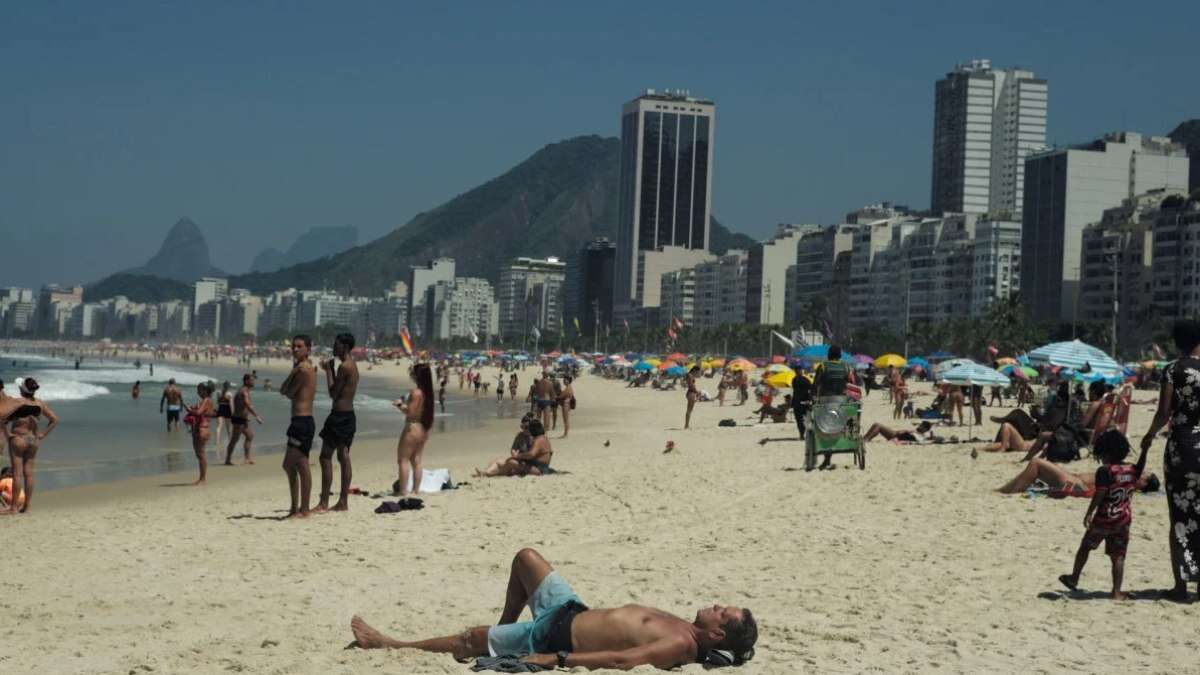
<point>653,362</point>
<point>714,363</point>
<point>890,360</point>
<point>781,380</point>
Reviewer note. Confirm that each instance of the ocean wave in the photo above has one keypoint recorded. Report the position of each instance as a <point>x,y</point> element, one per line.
<point>23,357</point>
<point>62,390</point>
<point>127,375</point>
<point>363,402</point>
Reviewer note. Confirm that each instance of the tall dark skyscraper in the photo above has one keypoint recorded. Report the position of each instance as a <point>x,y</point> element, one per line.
<point>590,284</point>
<point>666,183</point>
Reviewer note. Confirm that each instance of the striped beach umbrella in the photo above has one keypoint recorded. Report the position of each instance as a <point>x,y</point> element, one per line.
<point>968,373</point>
<point>1076,355</point>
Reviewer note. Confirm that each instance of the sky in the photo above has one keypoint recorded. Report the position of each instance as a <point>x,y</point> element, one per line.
<point>261,120</point>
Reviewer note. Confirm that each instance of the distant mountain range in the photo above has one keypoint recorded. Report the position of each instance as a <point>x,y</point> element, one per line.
<point>551,204</point>
<point>183,256</point>
<point>317,242</point>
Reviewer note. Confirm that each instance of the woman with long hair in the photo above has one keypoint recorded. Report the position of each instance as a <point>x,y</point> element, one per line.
<point>200,413</point>
<point>418,420</point>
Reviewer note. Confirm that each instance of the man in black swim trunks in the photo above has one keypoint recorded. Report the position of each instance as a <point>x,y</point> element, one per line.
<point>338,432</point>
<point>300,386</point>
<point>566,633</point>
<point>240,421</point>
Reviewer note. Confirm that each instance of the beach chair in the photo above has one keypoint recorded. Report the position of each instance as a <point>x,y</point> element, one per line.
<point>834,427</point>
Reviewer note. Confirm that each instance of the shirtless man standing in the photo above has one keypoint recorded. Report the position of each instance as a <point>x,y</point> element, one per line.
<point>564,633</point>
<point>543,398</point>
<point>172,398</point>
<point>19,425</point>
<point>300,386</point>
<point>240,422</point>
<point>338,432</point>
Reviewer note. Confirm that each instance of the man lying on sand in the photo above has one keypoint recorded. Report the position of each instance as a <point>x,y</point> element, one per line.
<point>565,633</point>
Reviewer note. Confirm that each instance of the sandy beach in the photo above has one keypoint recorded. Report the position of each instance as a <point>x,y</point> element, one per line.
<point>913,565</point>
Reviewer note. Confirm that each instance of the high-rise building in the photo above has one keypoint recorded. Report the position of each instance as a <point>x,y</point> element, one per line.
<point>55,304</point>
<point>678,295</point>
<point>985,123</point>
<point>721,290</point>
<point>822,258</point>
<point>666,186</point>
<point>1068,188</point>
<point>463,308</point>
<point>766,274</point>
<point>531,296</point>
<point>421,279</point>
<point>589,284</point>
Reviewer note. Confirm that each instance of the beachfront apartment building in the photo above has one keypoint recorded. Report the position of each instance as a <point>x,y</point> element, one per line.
<point>531,294</point>
<point>767,274</point>
<point>464,308</point>
<point>678,295</point>
<point>17,311</point>
<point>821,279</point>
<point>1069,188</point>
<point>1175,292</point>
<point>721,290</point>
<point>997,274</point>
<point>664,194</point>
<point>986,121</point>
<point>420,279</point>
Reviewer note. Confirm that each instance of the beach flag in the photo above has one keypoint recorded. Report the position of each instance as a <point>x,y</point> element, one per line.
<point>537,334</point>
<point>678,323</point>
<point>671,333</point>
<point>1158,351</point>
<point>406,340</point>
<point>474,337</point>
<point>626,322</point>
<point>786,341</point>
<point>578,330</point>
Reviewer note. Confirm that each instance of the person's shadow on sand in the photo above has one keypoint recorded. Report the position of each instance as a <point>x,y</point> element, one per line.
<point>251,516</point>
<point>1150,594</point>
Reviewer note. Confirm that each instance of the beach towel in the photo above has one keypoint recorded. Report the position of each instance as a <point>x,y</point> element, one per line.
<point>432,480</point>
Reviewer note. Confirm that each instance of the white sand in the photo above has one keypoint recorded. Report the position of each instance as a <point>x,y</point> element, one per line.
<point>911,566</point>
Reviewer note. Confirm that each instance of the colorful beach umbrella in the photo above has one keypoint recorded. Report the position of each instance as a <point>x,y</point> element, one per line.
<point>780,380</point>
<point>863,359</point>
<point>970,373</point>
<point>778,359</point>
<point>814,352</point>
<point>890,361</point>
<point>740,364</point>
<point>676,371</point>
<point>643,366</point>
<point>677,357</point>
<point>779,368</point>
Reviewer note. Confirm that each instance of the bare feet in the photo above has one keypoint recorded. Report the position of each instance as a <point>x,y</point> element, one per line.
<point>1120,595</point>
<point>340,506</point>
<point>321,508</point>
<point>1069,581</point>
<point>297,514</point>
<point>249,461</point>
<point>365,636</point>
<point>228,463</point>
<point>200,482</point>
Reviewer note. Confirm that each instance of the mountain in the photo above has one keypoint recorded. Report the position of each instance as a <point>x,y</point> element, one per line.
<point>551,204</point>
<point>1188,134</point>
<point>317,242</point>
<point>138,288</point>
<point>183,256</point>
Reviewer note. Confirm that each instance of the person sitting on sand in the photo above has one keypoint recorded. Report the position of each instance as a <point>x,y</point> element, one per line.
<point>6,491</point>
<point>922,434</point>
<point>565,633</point>
<point>509,465</point>
<point>778,414</point>
<point>1110,514</point>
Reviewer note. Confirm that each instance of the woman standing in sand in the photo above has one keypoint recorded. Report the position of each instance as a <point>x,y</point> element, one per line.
<point>692,394</point>
<point>200,414</point>
<point>224,411</point>
<point>18,423</point>
<point>1179,404</point>
<point>566,401</point>
<point>418,420</point>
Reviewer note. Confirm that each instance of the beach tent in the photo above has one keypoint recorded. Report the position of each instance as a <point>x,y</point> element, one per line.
<point>890,360</point>
<point>1075,355</point>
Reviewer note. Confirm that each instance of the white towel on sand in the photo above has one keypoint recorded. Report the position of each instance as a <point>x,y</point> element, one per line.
<point>432,480</point>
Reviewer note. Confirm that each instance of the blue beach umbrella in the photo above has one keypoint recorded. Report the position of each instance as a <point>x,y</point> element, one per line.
<point>968,373</point>
<point>1075,355</point>
<point>642,367</point>
<point>815,352</point>
<point>676,371</point>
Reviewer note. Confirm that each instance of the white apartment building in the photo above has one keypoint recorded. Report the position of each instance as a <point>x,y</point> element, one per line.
<point>678,295</point>
<point>421,279</point>
<point>721,290</point>
<point>464,308</point>
<point>997,274</point>
<point>767,265</point>
<point>531,294</point>
<point>986,121</point>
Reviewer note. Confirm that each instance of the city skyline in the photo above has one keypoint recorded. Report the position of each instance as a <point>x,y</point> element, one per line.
<point>118,132</point>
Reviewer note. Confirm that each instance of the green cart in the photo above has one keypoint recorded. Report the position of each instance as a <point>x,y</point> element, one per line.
<point>834,428</point>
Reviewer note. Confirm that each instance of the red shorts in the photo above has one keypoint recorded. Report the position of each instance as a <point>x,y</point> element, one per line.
<point>1115,538</point>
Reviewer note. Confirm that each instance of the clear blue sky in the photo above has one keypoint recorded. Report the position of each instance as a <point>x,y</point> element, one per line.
<point>258,122</point>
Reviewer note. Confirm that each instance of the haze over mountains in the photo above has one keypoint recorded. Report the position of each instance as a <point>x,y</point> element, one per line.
<point>550,204</point>
<point>183,256</point>
<point>317,242</point>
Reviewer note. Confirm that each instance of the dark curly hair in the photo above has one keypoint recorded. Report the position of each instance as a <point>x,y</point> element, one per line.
<point>740,636</point>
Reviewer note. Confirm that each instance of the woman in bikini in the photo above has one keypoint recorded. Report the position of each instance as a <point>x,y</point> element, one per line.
<point>692,394</point>
<point>566,398</point>
<point>1063,483</point>
<point>19,423</point>
<point>224,411</point>
<point>418,420</point>
<point>200,413</point>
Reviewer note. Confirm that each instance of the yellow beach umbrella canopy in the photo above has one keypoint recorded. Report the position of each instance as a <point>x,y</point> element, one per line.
<point>653,362</point>
<point>781,380</point>
<point>890,361</point>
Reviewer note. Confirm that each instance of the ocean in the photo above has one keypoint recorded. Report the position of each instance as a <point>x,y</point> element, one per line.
<point>105,435</point>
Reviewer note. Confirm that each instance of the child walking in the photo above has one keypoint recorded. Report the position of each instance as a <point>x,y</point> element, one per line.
<point>1109,514</point>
